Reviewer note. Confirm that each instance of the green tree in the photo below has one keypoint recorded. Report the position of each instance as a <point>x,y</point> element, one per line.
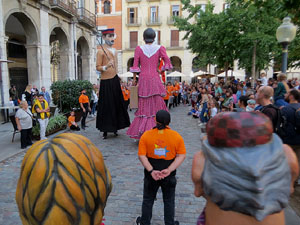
<point>258,21</point>
<point>210,36</point>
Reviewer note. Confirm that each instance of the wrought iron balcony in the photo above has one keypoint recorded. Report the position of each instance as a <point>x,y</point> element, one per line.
<point>86,17</point>
<point>176,44</point>
<point>153,21</point>
<point>68,7</point>
<point>171,20</point>
<point>130,46</point>
<point>133,22</point>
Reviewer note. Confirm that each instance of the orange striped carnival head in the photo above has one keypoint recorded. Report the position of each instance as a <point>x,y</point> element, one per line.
<point>63,181</point>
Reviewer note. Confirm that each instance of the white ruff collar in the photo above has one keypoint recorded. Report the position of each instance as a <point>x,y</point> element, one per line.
<point>150,50</point>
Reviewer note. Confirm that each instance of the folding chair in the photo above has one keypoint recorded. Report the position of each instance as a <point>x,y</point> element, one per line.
<point>14,123</point>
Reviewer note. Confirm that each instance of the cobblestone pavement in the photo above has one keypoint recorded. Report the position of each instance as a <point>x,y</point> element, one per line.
<point>120,154</point>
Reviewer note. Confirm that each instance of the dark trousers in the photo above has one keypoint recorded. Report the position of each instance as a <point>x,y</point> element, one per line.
<point>166,102</point>
<point>26,137</point>
<point>179,98</point>
<point>126,103</point>
<point>151,187</point>
<point>175,101</point>
<point>84,114</point>
<point>73,127</point>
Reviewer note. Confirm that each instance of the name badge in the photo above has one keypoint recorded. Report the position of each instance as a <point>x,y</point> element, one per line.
<point>161,152</point>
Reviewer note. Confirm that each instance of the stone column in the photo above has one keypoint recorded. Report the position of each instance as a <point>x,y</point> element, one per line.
<point>44,50</point>
<point>65,64</point>
<point>93,53</point>
<point>4,67</point>
<point>72,52</point>
<point>86,67</point>
<point>33,65</point>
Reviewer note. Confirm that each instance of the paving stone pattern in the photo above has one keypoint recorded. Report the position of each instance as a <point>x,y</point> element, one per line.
<point>120,154</point>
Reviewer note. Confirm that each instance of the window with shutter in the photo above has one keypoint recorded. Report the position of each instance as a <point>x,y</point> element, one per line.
<point>107,7</point>
<point>133,36</point>
<point>174,38</point>
<point>153,14</point>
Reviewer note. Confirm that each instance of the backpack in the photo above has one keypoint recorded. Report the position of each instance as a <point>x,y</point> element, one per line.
<point>280,123</point>
<point>297,119</point>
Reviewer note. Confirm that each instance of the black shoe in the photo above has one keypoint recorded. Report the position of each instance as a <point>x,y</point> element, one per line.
<point>104,135</point>
<point>83,128</point>
<point>86,126</point>
<point>23,147</point>
<point>138,220</point>
<point>116,134</point>
<point>176,223</point>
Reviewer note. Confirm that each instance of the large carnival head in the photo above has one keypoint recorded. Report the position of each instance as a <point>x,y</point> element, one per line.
<point>109,36</point>
<point>149,35</point>
<point>245,155</point>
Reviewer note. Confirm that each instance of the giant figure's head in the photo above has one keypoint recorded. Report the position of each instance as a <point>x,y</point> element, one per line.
<point>149,35</point>
<point>63,181</point>
<point>246,169</point>
<point>109,36</point>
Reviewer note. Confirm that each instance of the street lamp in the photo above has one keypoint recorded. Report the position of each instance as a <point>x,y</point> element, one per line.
<point>285,34</point>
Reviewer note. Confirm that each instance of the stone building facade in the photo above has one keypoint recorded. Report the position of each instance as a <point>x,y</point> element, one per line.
<point>47,40</point>
<point>138,15</point>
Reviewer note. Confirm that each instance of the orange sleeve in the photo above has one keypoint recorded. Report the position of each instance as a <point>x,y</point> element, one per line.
<point>80,99</point>
<point>180,148</point>
<point>143,145</point>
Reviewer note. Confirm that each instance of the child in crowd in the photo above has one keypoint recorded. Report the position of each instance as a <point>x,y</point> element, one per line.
<point>212,108</point>
<point>72,124</point>
<point>251,105</point>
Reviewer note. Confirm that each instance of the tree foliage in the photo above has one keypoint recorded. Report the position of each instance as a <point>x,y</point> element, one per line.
<point>246,31</point>
<point>65,94</point>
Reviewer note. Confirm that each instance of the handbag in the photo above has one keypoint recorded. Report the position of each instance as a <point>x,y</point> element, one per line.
<point>33,119</point>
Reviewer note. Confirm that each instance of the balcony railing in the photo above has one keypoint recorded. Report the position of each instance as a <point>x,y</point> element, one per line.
<point>133,22</point>
<point>66,6</point>
<point>176,44</point>
<point>153,22</point>
<point>153,0</point>
<point>132,1</point>
<point>132,45</point>
<point>86,17</point>
<point>171,20</point>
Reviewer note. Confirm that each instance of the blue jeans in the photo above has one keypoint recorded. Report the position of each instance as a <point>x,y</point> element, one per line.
<point>94,107</point>
<point>202,117</point>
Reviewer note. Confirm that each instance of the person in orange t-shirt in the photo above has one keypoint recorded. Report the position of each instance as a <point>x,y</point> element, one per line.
<point>166,98</point>
<point>176,93</point>
<point>85,107</point>
<point>126,95</point>
<point>170,90</point>
<point>71,122</point>
<point>161,151</point>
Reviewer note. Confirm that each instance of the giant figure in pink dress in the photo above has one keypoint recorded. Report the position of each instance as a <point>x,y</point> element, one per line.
<point>150,87</point>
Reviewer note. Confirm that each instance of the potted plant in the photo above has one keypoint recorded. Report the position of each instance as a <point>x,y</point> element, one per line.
<point>56,123</point>
<point>65,94</point>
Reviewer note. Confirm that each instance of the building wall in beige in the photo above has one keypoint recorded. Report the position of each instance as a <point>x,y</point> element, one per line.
<point>47,41</point>
<point>138,15</point>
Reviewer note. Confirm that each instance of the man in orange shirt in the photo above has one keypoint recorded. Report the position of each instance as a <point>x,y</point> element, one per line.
<point>166,98</point>
<point>170,90</point>
<point>176,93</point>
<point>161,151</point>
<point>85,107</point>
